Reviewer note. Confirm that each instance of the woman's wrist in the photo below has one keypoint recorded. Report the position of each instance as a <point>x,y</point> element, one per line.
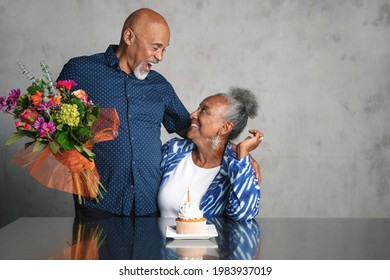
<point>241,152</point>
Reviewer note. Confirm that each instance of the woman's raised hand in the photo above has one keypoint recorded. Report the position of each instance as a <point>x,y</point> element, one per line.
<point>249,143</point>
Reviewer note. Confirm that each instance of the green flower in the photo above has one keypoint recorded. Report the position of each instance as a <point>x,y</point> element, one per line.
<point>69,115</point>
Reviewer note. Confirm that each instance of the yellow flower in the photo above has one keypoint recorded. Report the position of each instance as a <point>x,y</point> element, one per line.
<point>69,115</point>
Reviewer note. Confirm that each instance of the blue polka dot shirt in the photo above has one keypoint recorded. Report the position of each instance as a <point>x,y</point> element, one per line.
<point>129,165</point>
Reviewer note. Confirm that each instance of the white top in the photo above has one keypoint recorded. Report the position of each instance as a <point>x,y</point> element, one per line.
<point>173,193</point>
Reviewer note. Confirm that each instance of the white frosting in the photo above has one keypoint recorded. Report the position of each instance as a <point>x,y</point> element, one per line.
<point>189,211</point>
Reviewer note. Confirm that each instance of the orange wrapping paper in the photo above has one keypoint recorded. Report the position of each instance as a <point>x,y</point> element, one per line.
<point>86,242</point>
<point>59,171</point>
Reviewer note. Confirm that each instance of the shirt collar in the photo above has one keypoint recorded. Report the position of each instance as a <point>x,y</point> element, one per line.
<point>110,56</point>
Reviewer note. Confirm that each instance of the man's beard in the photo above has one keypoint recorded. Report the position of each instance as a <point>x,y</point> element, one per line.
<point>140,73</point>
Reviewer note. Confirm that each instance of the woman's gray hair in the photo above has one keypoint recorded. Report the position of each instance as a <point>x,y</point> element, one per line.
<point>243,105</point>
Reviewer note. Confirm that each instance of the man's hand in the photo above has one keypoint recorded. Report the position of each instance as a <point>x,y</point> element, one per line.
<point>256,167</point>
<point>182,133</point>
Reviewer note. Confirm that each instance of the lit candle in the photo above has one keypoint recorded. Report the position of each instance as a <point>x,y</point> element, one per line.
<point>188,194</point>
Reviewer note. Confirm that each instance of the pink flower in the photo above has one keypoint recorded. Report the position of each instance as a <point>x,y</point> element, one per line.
<point>27,126</point>
<point>3,103</point>
<point>17,123</point>
<point>29,116</point>
<point>14,95</point>
<point>8,104</point>
<point>44,128</point>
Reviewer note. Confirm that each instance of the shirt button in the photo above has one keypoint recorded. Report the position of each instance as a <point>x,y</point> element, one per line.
<point>131,186</point>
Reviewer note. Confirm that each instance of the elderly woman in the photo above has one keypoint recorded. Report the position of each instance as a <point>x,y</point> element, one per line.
<point>222,182</point>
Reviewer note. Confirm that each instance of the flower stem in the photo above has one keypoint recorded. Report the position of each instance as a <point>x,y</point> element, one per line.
<point>25,72</point>
<point>45,70</point>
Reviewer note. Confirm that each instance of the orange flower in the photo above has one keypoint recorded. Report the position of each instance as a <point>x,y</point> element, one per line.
<point>36,98</point>
<point>80,94</point>
<point>56,100</point>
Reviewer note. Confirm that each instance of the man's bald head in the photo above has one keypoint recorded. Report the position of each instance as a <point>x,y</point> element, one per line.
<point>143,19</point>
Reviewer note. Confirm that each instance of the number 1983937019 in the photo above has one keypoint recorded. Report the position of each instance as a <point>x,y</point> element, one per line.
<point>245,270</point>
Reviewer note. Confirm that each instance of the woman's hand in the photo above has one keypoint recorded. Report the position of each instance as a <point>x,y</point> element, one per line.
<point>250,143</point>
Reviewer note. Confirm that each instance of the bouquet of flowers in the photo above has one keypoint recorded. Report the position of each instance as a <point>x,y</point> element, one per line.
<point>63,125</point>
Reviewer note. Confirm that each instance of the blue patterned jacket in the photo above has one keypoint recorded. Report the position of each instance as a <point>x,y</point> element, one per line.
<point>234,192</point>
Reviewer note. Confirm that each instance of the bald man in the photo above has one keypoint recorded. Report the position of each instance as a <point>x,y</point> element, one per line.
<point>123,78</point>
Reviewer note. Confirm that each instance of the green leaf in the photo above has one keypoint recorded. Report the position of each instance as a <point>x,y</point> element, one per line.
<point>13,138</point>
<point>62,139</point>
<point>54,147</point>
<point>33,89</point>
<point>96,111</point>
<point>28,144</point>
<point>90,120</point>
<point>79,148</point>
<point>82,134</point>
<point>80,105</point>
<point>60,127</point>
<point>39,146</point>
<point>88,154</point>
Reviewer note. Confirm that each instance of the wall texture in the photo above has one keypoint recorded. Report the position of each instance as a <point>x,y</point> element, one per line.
<point>321,70</point>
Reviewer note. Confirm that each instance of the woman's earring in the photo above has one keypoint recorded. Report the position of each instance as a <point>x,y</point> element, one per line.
<point>216,142</point>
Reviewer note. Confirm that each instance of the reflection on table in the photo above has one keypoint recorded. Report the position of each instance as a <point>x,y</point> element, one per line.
<point>114,239</point>
<point>145,239</point>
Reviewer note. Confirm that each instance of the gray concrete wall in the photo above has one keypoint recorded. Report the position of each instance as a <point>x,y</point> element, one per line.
<point>321,70</point>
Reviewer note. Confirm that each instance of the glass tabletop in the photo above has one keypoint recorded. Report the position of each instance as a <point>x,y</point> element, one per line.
<point>64,238</point>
